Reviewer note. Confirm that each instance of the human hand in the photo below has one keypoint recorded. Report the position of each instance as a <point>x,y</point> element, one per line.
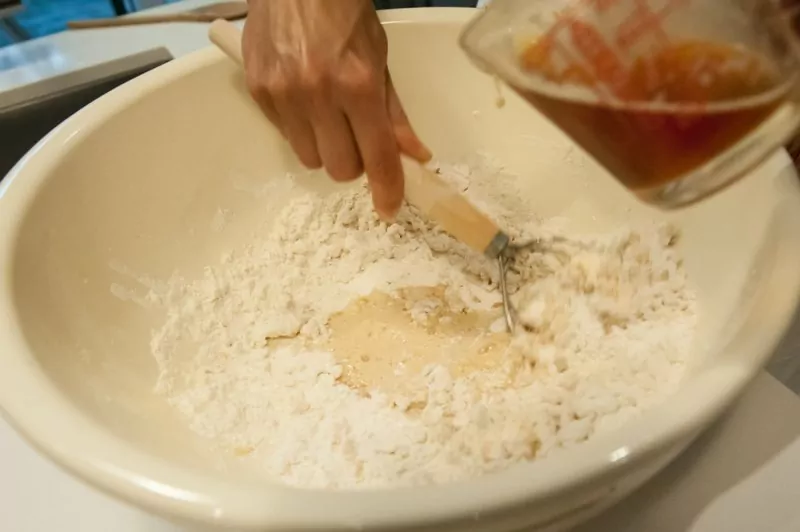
<point>317,69</point>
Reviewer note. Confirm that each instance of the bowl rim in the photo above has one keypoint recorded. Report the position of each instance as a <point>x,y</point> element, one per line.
<point>50,422</point>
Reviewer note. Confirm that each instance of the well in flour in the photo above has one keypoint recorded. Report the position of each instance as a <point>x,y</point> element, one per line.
<point>337,351</point>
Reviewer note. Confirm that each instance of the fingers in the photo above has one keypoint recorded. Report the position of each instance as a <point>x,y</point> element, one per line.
<point>296,125</point>
<point>378,147</point>
<point>315,126</point>
<point>407,139</point>
<point>365,130</point>
<point>336,143</point>
<point>264,101</point>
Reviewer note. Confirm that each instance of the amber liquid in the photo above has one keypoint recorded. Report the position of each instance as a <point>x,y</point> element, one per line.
<point>672,111</point>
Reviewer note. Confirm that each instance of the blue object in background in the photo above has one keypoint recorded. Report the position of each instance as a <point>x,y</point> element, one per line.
<point>44,17</point>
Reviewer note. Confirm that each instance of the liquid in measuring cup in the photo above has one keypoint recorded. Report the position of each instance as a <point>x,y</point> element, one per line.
<point>663,115</point>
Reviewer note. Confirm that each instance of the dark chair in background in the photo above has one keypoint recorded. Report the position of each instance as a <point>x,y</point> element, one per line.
<point>120,8</point>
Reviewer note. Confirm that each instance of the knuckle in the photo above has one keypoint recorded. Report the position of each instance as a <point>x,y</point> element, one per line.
<point>361,81</point>
<point>257,89</point>
<point>384,153</point>
<point>312,80</point>
<point>277,85</point>
<point>266,87</point>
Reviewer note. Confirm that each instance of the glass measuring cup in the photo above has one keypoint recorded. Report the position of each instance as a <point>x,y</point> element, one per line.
<point>675,98</point>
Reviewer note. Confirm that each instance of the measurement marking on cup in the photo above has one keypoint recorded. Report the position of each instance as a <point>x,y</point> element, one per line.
<point>642,22</point>
<point>577,50</point>
<point>607,67</point>
<point>602,5</point>
<point>554,59</point>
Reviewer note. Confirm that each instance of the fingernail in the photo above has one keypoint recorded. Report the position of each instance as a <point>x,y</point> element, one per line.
<point>388,216</point>
<point>426,154</point>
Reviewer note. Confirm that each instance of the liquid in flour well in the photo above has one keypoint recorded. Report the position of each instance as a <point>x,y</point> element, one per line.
<point>385,340</point>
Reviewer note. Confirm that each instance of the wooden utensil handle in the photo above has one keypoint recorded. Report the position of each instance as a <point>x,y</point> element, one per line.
<point>227,38</point>
<point>130,21</point>
<point>440,202</point>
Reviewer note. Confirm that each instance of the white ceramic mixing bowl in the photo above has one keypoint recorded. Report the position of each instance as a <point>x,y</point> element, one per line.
<point>133,183</point>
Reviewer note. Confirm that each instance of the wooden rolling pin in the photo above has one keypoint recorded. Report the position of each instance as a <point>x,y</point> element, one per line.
<point>209,13</point>
<point>423,188</point>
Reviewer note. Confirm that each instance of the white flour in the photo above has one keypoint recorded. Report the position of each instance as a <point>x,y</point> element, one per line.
<point>243,351</point>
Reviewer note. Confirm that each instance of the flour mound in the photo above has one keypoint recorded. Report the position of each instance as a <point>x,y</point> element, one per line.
<point>243,357</point>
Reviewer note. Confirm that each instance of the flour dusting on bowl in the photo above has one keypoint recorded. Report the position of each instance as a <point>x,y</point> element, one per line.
<point>340,352</point>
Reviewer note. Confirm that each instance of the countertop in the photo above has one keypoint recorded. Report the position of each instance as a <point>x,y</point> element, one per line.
<point>68,51</point>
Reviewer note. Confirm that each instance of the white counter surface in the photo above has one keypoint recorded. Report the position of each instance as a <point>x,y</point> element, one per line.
<point>72,50</point>
<point>742,476</point>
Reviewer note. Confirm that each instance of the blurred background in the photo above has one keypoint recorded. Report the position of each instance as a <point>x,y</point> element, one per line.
<point>21,20</point>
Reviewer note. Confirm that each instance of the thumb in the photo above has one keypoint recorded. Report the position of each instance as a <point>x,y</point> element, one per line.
<point>407,140</point>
